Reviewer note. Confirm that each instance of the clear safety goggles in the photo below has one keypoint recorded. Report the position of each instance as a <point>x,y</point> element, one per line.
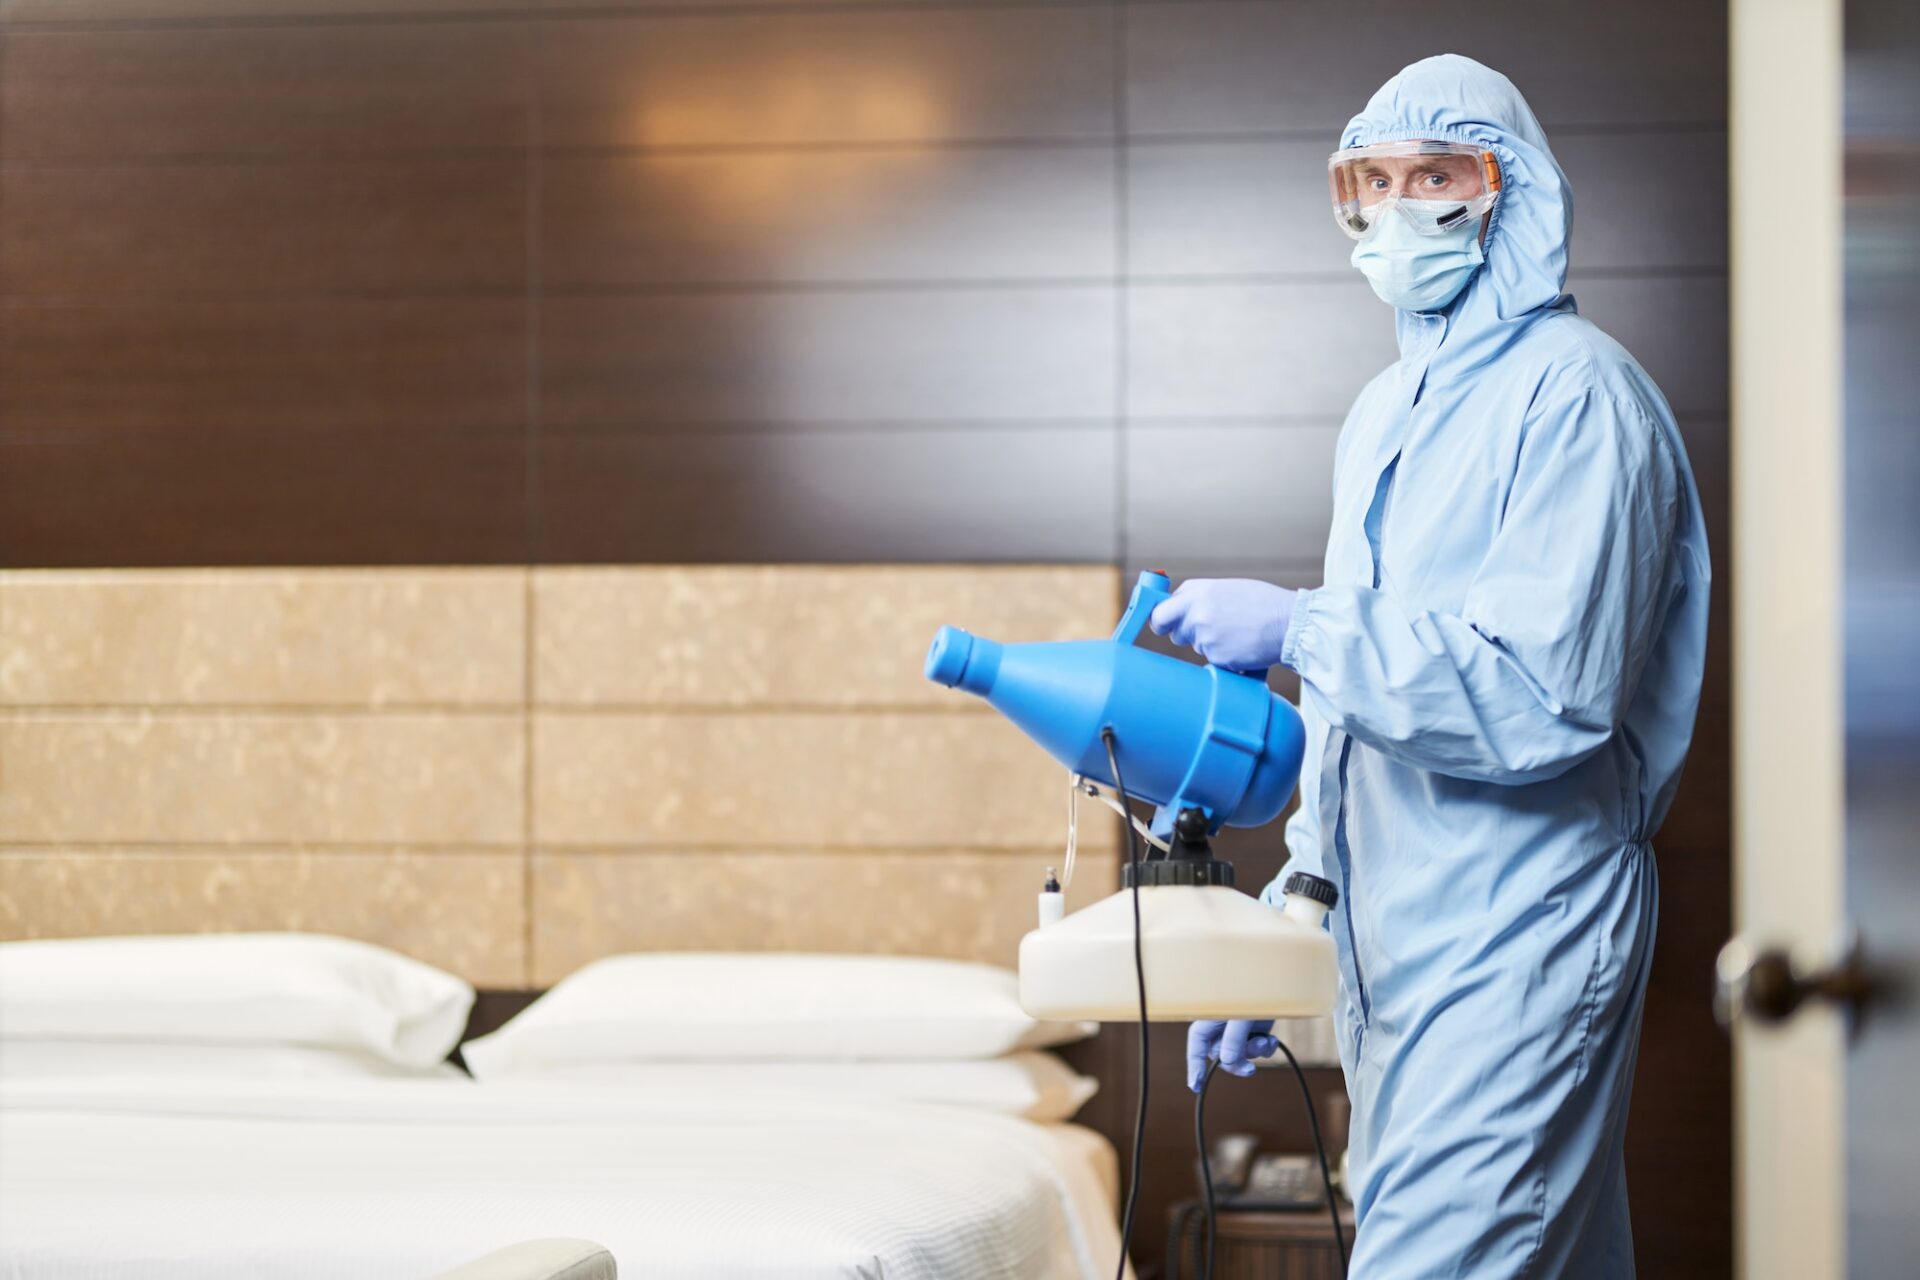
<point>1436,186</point>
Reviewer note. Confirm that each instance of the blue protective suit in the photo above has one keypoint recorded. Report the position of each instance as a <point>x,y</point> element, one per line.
<point>1499,679</point>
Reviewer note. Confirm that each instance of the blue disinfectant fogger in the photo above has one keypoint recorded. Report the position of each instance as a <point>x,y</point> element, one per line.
<point>1209,748</point>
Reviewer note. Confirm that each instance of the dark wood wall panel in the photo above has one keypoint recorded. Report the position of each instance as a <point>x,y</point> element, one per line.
<point>1233,348</point>
<point>646,6</point>
<point>404,281</point>
<point>265,91</point>
<point>1210,67</point>
<point>1217,209</point>
<point>265,365</point>
<point>789,216</point>
<point>319,227</point>
<point>909,74</point>
<point>1648,201</point>
<point>924,355</point>
<point>1196,488</point>
<point>363,497</point>
<point>1021,492</point>
<point>89,12</point>
<point>1675,326</point>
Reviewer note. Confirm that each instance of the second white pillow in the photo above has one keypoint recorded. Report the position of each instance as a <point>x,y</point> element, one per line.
<point>1032,1083</point>
<point>771,1007</point>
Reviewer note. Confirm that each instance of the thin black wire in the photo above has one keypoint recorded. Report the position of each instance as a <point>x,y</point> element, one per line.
<point>1319,1149</point>
<point>1140,978</point>
<point>1206,1167</point>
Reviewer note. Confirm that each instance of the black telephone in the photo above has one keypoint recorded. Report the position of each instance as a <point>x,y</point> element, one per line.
<point>1244,1178</point>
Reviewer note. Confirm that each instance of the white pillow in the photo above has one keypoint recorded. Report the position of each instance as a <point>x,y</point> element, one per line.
<point>82,1059</point>
<point>246,988</point>
<point>1031,1083</point>
<point>769,1007</point>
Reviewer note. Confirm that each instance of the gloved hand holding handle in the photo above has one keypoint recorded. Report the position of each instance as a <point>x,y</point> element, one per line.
<point>1237,623</point>
<point>1236,1044</point>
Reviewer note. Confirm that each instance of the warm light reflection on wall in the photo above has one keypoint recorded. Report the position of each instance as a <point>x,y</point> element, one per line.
<point>865,106</point>
<point>770,215</point>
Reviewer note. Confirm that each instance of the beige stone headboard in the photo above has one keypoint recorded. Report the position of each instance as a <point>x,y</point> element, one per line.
<point>509,772</point>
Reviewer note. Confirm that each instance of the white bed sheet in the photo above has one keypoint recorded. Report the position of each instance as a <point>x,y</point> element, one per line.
<point>103,1179</point>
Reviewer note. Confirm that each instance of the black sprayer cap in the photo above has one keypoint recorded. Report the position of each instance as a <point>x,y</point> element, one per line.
<point>1308,886</point>
<point>1192,871</point>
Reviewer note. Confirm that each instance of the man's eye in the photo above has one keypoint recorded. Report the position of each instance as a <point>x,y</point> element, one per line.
<point>1378,184</point>
<point>1436,180</point>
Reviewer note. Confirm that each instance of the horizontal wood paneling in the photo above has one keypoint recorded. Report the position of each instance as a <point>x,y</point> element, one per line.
<point>927,355</point>
<point>325,227</point>
<point>1227,208</point>
<point>264,366</point>
<point>266,91</point>
<point>77,12</point>
<point>627,635</point>
<point>1648,201</point>
<point>1261,490</point>
<point>1293,350</point>
<point>790,779</point>
<point>967,906</point>
<point>1222,67</point>
<point>260,497</point>
<point>890,75</point>
<point>787,216</point>
<point>300,638</point>
<point>283,779</point>
<point>460,911</point>
<point>360,751</point>
<point>644,6</point>
<point>1019,492</point>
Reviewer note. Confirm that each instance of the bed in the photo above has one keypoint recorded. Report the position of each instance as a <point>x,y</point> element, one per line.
<point>276,1106</point>
<point>108,1178</point>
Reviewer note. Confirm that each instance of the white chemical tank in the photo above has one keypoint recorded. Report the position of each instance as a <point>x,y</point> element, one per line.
<point>1209,951</point>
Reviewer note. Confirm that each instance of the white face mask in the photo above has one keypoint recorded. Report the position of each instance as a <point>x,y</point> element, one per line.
<point>1417,272</point>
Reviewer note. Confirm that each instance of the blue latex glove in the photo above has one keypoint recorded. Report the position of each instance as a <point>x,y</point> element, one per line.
<point>1236,623</point>
<point>1236,1044</point>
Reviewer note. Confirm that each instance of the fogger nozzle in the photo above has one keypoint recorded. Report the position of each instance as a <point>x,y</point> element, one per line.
<point>962,660</point>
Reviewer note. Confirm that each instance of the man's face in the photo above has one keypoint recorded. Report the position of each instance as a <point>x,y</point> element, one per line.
<point>1419,178</point>
<point>1422,178</point>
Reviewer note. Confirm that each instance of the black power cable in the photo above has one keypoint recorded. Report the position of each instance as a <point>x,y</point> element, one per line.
<point>1319,1149</point>
<point>1206,1166</point>
<point>1140,978</point>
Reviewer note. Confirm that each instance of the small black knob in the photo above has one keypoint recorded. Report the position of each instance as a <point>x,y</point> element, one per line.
<point>1312,886</point>
<point>1769,986</point>
<point>1773,990</point>
<point>1191,824</point>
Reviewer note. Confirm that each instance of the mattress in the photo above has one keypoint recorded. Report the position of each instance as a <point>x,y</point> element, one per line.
<point>154,1178</point>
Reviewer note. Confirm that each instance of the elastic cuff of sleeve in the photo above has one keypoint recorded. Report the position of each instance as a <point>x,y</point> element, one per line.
<point>1303,603</point>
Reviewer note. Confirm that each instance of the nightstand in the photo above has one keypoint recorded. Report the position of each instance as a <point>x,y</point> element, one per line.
<point>1256,1245</point>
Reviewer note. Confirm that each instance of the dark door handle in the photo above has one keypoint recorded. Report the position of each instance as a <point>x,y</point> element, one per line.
<point>1770,985</point>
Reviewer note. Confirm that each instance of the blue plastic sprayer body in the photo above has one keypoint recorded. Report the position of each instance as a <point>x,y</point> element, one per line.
<point>1187,736</point>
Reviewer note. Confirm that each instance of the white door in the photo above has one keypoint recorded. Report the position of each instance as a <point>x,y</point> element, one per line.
<point>1826,472</point>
